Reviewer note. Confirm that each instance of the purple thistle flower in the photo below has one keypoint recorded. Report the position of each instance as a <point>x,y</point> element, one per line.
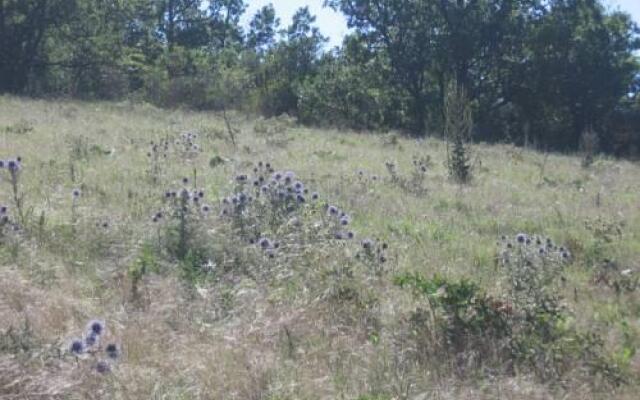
<point>103,367</point>
<point>112,350</point>
<point>3,209</point>
<point>344,221</point>
<point>350,235</point>
<point>367,244</point>
<point>76,347</point>
<point>206,208</point>
<point>521,237</point>
<point>300,198</point>
<point>76,193</point>
<point>96,326</point>
<point>13,165</point>
<point>91,339</point>
<point>185,180</point>
<point>333,210</point>
<point>264,243</point>
<point>314,196</point>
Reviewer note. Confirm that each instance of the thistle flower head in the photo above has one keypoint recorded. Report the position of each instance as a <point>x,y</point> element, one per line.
<point>333,210</point>
<point>521,237</point>
<point>76,193</point>
<point>95,326</point>
<point>91,339</point>
<point>103,367</point>
<point>264,243</point>
<point>76,347</point>
<point>112,350</point>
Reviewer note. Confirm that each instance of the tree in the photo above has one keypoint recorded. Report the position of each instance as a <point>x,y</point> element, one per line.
<point>263,29</point>
<point>224,22</point>
<point>24,28</point>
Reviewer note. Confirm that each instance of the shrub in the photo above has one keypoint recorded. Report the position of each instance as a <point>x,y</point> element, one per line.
<point>458,128</point>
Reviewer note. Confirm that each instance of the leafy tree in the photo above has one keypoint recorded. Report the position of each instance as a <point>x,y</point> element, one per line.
<point>24,28</point>
<point>263,29</point>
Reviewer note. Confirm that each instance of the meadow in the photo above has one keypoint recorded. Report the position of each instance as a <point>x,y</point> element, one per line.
<point>301,263</point>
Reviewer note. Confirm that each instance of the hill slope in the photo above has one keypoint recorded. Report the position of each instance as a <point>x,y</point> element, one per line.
<point>199,308</point>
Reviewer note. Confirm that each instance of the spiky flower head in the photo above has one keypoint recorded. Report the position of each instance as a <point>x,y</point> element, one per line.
<point>96,326</point>
<point>264,243</point>
<point>521,237</point>
<point>112,350</point>
<point>91,339</point>
<point>103,367</point>
<point>76,346</point>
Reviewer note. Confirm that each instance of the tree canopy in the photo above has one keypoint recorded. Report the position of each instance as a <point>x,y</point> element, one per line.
<point>537,72</point>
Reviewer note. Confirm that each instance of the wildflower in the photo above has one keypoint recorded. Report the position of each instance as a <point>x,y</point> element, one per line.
<point>158,215</point>
<point>298,185</point>
<point>167,195</point>
<point>103,367</point>
<point>241,178</point>
<point>206,208</point>
<point>112,350</point>
<point>367,244</point>
<point>3,209</point>
<point>264,189</point>
<point>13,165</point>
<point>300,198</point>
<point>338,236</point>
<point>264,243</point>
<point>77,347</point>
<point>75,193</point>
<point>1,164</point>
<point>91,339</point>
<point>96,327</point>
<point>383,259</point>
<point>521,237</point>
<point>201,194</point>
<point>541,250</point>
<point>350,235</point>
<point>314,196</point>
<point>565,255</point>
<point>333,210</point>
<point>344,221</point>
<point>105,225</point>
<point>185,180</point>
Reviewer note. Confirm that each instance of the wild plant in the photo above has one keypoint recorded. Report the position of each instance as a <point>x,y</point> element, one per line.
<point>157,155</point>
<point>182,218</point>
<point>414,183</point>
<point>14,169</point>
<point>458,126</point>
<point>373,254</point>
<point>589,145</point>
<point>92,350</point>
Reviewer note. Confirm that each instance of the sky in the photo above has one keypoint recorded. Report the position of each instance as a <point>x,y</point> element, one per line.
<point>334,25</point>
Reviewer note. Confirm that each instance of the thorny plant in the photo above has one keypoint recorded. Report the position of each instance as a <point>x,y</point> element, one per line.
<point>93,351</point>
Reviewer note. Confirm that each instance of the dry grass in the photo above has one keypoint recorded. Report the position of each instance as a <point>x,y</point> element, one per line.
<point>295,336</point>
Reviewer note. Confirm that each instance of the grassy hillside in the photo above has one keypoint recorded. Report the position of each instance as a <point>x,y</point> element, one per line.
<point>199,307</point>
